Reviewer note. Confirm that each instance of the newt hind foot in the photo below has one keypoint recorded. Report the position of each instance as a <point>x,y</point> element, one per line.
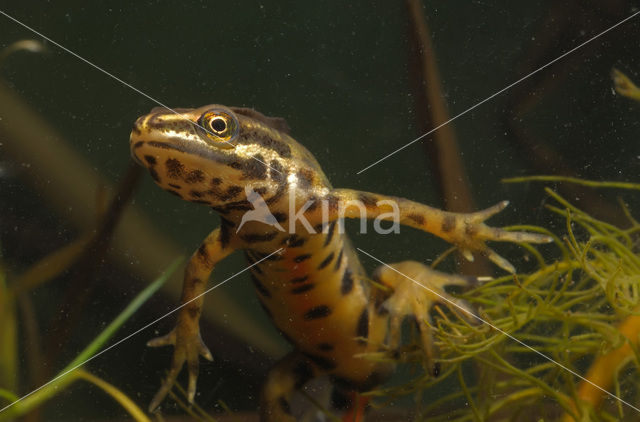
<point>188,348</point>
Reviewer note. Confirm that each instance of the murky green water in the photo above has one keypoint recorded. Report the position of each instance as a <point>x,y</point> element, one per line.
<point>345,78</point>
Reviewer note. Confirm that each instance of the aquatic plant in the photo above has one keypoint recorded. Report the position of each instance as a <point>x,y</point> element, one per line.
<point>550,344</point>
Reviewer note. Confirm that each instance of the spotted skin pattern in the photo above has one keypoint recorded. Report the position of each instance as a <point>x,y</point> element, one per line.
<point>314,289</point>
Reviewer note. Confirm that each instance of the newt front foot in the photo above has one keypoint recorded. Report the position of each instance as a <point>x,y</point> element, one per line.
<point>416,288</point>
<point>188,348</point>
<point>474,233</point>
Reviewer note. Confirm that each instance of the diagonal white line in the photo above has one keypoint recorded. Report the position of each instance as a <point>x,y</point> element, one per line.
<point>136,332</point>
<point>501,91</point>
<point>128,85</point>
<point>572,372</point>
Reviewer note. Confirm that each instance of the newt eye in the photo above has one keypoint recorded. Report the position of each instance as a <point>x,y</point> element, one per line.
<point>218,126</point>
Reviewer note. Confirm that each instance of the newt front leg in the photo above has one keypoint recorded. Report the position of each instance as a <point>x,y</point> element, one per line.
<point>185,337</point>
<point>465,230</point>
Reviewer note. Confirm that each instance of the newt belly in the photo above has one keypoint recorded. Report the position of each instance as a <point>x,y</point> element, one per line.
<point>277,206</point>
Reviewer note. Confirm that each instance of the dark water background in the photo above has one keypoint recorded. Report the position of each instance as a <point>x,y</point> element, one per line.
<point>340,73</point>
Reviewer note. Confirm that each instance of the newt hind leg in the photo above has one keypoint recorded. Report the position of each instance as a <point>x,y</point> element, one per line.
<point>415,289</point>
<point>287,376</point>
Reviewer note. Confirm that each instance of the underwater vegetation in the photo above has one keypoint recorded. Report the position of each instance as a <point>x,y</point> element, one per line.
<point>581,311</point>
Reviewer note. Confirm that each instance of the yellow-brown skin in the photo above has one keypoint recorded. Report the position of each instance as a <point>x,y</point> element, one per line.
<point>314,288</point>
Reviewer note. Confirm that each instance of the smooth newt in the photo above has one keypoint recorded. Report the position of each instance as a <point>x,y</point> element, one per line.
<point>314,288</point>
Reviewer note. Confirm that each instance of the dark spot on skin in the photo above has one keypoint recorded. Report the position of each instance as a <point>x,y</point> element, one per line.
<point>287,240</point>
<point>298,259</point>
<point>284,405</point>
<point>150,159</point>
<point>363,326</point>
<point>299,280</point>
<point>193,311</point>
<point>336,267</point>
<point>470,230</point>
<point>347,283</point>
<point>215,192</point>
<point>302,372</point>
<point>330,232</point>
<point>234,206</point>
<point>302,289</point>
<point>138,144</point>
<point>277,173</point>
<point>280,216</point>
<point>333,202</point>
<point>216,181</point>
<point>417,218</point>
<point>230,193</point>
<point>314,202</point>
<point>323,363</point>
<point>203,255</point>
<point>317,312</point>
<point>255,168</point>
<point>260,287</point>
<point>261,138</point>
<point>280,147</point>
<point>258,237</point>
<point>251,168</point>
<point>325,347</point>
<point>296,242</point>
<point>196,194</point>
<point>175,186</point>
<point>368,200</point>
<point>448,224</point>
<point>175,169</point>
<point>194,176</point>
<point>326,261</point>
<point>162,145</point>
<point>154,175</point>
<point>225,232</point>
<point>305,178</point>
<point>200,201</point>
